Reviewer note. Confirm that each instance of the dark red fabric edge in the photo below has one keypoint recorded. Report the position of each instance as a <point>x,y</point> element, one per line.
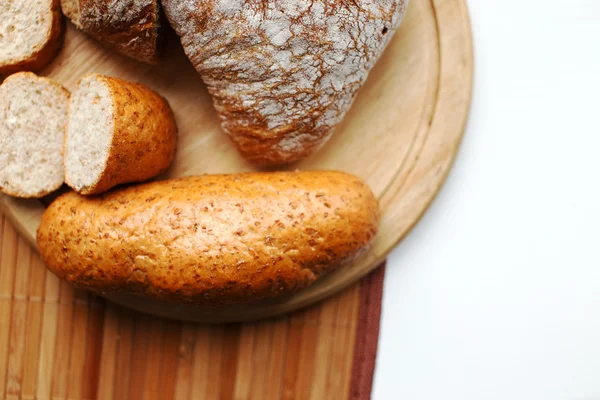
<point>367,335</point>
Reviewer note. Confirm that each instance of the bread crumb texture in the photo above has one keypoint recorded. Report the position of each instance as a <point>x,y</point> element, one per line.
<point>118,132</point>
<point>283,73</point>
<point>219,239</point>
<point>29,31</point>
<point>33,115</point>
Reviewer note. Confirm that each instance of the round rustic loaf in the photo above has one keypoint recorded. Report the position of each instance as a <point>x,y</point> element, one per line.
<point>220,239</point>
<point>283,74</point>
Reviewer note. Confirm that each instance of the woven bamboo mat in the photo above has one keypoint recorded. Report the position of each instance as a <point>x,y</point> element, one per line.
<point>60,343</point>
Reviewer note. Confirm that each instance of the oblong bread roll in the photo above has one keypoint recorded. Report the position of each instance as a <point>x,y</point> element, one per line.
<point>219,239</point>
<point>118,132</point>
<point>33,116</point>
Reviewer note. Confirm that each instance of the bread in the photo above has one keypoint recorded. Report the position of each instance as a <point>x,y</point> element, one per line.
<point>130,27</point>
<point>117,132</point>
<point>283,73</point>
<point>30,34</point>
<point>220,239</point>
<point>33,115</point>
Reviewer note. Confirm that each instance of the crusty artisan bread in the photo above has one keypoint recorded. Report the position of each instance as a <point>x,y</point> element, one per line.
<point>131,27</point>
<point>218,239</point>
<point>283,73</point>
<point>30,34</point>
<point>117,132</point>
<point>33,115</point>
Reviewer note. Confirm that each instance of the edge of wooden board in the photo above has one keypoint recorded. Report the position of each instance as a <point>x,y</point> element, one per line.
<point>450,114</point>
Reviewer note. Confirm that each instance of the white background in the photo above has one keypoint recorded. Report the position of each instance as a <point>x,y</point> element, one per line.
<point>496,293</point>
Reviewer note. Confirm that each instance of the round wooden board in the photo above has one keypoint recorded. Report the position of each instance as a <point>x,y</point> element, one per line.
<point>401,136</point>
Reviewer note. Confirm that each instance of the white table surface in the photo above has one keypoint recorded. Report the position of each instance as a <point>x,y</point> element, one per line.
<point>496,293</point>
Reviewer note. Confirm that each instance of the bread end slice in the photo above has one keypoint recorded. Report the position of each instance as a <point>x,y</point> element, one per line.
<point>89,133</point>
<point>33,115</point>
<point>30,34</point>
<point>117,132</point>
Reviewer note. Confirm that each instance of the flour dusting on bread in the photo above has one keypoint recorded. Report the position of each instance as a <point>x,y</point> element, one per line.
<point>283,68</point>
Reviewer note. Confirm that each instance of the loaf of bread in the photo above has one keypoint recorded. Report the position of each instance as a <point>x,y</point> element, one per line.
<point>219,239</point>
<point>30,34</point>
<point>130,27</point>
<point>118,132</point>
<point>33,115</point>
<point>283,73</point>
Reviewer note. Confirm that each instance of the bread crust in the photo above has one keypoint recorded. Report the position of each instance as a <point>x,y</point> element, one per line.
<point>43,55</point>
<point>220,239</point>
<point>283,74</point>
<point>130,27</point>
<point>144,136</point>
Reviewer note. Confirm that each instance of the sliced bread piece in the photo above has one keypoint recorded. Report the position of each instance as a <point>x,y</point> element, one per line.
<point>130,27</point>
<point>117,132</point>
<point>30,34</point>
<point>33,116</point>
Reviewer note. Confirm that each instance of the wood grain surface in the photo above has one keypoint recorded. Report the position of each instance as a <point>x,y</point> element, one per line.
<point>64,344</point>
<point>402,135</point>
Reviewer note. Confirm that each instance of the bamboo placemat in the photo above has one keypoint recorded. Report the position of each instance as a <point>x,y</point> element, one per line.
<point>60,343</point>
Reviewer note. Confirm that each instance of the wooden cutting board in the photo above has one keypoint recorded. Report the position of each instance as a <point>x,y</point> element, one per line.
<point>401,136</point>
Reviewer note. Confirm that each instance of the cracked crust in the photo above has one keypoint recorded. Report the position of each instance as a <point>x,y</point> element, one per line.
<point>42,53</point>
<point>130,27</point>
<point>283,73</point>
<point>219,239</point>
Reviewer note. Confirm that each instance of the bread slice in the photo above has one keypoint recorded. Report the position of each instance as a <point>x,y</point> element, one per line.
<point>30,34</point>
<point>117,132</point>
<point>33,115</point>
<point>130,27</point>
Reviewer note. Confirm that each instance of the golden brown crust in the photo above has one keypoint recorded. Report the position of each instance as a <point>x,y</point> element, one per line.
<point>144,135</point>
<point>44,55</point>
<point>130,27</point>
<point>218,239</point>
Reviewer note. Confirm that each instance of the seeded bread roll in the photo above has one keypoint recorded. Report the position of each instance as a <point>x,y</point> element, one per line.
<point>30,34</point>
<point>220,239</point>
<point>130,27</point>
<point>118,132</point>
<point>33,115</point>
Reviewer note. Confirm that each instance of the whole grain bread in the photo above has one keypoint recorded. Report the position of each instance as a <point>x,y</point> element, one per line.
<point>219,239</point>
<point>117,132</point>
<point>30,34</point>
<point>33,115</point>
<point>130,27</point>
<point>283,73</point>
